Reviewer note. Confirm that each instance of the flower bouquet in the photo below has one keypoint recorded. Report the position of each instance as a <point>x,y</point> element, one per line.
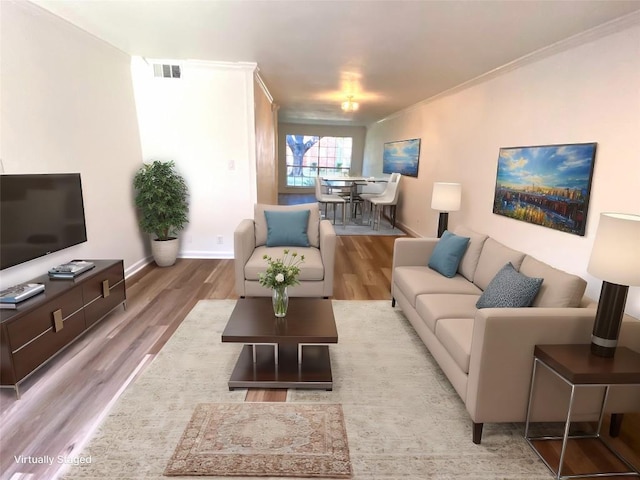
<point>280,274</point>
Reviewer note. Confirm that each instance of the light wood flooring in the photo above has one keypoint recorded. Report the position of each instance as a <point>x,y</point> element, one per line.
<point>63,402</point>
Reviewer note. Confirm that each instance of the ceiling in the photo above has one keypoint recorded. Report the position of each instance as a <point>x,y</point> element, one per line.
<point>312,54</point>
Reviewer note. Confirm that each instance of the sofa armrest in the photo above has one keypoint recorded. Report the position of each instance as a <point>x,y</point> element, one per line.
<point>328,254</point>
<point>244,243</point>
<point>501,360</point>
<point>412,251</point>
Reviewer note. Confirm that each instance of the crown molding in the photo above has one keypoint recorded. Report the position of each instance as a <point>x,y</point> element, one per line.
<point>263,86</point>
<point>614,26</point>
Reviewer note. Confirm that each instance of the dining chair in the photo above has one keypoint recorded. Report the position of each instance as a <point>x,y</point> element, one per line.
<point>372,190</point>
<point>388,199</point>
<point>328,198</point>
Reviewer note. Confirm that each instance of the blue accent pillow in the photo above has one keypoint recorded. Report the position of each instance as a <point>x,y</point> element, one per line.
<point>509,289</point>
<point>447,253</point>
<point>287,229</point>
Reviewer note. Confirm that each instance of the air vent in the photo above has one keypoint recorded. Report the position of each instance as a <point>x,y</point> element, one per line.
<point>166,71</point>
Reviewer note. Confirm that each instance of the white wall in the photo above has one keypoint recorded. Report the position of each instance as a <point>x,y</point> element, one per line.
<point>204,121</point>
<point>589,93</point>
<point>68,106</point>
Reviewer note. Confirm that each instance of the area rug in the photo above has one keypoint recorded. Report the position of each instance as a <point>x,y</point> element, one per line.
<point>355,229</point>
<point>361,226</point>
<point>263,439</point>
<point>403,418</point>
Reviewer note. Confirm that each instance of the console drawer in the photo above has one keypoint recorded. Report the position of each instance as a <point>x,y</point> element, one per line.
<point>34,354</point>
<point>22,330</point>
<point>102,305</point>
<point>93,288</point>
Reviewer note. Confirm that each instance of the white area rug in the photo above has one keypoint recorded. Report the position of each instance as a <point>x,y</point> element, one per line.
<point>403,418</point>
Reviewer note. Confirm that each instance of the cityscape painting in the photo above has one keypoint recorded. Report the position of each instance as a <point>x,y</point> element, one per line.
<point>401,157</point>
<point>546,185</point>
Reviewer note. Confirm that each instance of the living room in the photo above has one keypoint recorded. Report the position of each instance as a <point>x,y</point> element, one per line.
<point>69,105</point>
<point>557,99</point>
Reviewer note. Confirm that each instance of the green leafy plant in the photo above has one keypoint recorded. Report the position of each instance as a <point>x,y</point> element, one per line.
<point>282,272</point>
<point>161,196</point>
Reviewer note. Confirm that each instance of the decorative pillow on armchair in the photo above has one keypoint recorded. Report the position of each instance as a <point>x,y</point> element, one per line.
<point>509,289</point>
<point>287,229</point>
<point>448,253</point>
<point>313,227</point>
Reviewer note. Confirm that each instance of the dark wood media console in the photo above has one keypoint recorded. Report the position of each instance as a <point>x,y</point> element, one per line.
<point>43,325</point>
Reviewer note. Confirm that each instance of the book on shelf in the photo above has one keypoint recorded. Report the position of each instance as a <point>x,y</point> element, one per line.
<point>71,269</point>
<point>18,293</point>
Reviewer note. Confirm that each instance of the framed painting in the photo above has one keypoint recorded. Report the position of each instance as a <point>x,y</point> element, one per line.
<point>401,157</point>
<point>546,185</point>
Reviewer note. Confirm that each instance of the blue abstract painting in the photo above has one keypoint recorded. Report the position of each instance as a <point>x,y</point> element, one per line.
<point>546,185</point>
<point>401,157</point>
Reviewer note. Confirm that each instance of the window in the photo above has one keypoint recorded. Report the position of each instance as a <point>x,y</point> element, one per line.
<point>310,156</point>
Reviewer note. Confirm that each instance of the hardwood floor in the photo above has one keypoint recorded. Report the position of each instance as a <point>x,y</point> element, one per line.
<point>63,402</point>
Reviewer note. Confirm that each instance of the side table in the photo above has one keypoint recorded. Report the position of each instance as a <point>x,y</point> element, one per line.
<point>578,367</point>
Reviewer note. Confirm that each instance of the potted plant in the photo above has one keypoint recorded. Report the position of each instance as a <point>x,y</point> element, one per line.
<point>161,197</point>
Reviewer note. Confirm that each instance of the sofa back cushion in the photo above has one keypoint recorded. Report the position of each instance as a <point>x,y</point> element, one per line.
<point>469,262</point>
<point>313,228</point>
<point>559,289</point>
<point>493,257</point>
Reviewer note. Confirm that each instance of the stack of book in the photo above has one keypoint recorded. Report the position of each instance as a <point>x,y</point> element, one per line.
<point>12,296</point>
<point>70,270</point>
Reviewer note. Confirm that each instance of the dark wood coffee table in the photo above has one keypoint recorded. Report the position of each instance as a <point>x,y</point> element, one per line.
<point>289,352</point>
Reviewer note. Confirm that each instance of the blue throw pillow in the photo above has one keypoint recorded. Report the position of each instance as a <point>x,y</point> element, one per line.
<point>287,229</point>
<point>509,289</point>
<point>447,254</point>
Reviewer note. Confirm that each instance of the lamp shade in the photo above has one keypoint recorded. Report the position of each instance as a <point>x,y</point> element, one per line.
<point>446,196</point>
<point>615,256</point>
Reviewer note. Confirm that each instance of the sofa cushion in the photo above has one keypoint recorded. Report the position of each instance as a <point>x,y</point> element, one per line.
<point>493,257</point>
<point>470,258</point>
<point>311,269</point>
<point>509,289</point>
<point>313,229</point>
<point>414,281</point>
<point>456,334</point>
<point>559,289</point>
<point>447,253</point>
<point>287,229</point>
<point>435,306</point>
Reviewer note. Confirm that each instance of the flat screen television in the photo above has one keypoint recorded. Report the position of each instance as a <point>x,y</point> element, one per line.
<point>39,214</point>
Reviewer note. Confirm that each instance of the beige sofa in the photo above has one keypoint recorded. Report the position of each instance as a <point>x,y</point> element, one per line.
<point>249,245</point>
<point>487,354</point>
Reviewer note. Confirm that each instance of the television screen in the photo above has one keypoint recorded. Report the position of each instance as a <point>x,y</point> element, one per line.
<point>401,157</point>
<point>39,214</point>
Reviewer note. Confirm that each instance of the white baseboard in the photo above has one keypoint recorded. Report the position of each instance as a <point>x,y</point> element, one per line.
<point>205,254</point>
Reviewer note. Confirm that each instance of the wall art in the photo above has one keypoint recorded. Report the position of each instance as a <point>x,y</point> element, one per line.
<point>401,157</point>
<point>546,185</point>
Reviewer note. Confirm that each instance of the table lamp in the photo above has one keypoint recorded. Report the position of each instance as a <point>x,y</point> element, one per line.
<point>446,198</point>
<point>615,258</point>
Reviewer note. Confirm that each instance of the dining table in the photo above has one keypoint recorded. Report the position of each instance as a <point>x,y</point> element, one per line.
<point>350,183</point>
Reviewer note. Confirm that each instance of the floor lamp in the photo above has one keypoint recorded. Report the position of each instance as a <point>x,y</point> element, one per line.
<point>446,198</point>
<point>615,258</point>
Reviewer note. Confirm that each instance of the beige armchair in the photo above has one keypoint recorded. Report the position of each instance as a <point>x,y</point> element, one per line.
<point>250,246</point>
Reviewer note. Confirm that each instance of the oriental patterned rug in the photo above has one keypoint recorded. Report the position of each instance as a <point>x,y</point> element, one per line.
<point>263,439</point>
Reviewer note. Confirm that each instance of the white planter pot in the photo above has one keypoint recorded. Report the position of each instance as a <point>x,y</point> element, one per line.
<point>165,252</point>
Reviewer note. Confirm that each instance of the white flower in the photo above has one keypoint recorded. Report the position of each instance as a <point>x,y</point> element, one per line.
<point>280,278</point>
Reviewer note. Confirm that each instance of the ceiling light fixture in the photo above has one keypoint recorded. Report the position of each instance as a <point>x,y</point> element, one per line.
<point>350,105</point>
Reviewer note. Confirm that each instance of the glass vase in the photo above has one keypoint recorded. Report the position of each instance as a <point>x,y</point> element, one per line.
<point>280,300</point>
